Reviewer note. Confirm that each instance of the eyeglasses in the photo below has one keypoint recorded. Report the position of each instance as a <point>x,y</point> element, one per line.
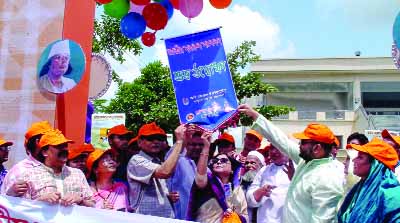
<point>5,148</point>
<point>221,160</point>
<point>154,137</point>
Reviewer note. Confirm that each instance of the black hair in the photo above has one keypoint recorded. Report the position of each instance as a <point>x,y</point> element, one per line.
<point>92,175</point>
<point>234,164</point>
<point>197,134</point>
<point>40,157</point>
<point>31,143</point>
<point>46,67</point>
<point>327,148</point>
<point>359,136</point>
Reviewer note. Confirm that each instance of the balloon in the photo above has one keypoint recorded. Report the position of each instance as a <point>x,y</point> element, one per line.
<point>155,15</point>
<point>136,8</point>
<point>191,8</point>
<point>168,6</point>
<point>220,4</point>
<point>148,39</point>
<point>133,25</point>
<point>140,2</point>
<point>103,1</point>
<point>175,3</point>
<point>117,8</point>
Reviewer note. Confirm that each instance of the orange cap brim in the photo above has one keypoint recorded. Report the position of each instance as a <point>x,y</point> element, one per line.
<point>300,135</point>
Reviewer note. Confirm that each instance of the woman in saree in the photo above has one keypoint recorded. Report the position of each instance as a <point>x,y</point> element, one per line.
<point>375,198</point>
<point>216,194</point>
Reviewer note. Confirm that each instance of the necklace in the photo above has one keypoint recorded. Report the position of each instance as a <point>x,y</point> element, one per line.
<point>105,199</point>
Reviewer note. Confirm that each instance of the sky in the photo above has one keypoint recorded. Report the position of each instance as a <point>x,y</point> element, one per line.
<point>282,29</point>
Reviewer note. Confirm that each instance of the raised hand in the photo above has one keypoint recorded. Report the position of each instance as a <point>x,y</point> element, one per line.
<point>289,169</point>
<point>249,111</point>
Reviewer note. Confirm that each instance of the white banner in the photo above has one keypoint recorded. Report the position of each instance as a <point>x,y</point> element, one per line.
<point>17,210</point>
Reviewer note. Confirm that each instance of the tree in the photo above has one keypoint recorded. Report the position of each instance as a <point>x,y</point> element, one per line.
<point>108,39</point>
<point>151,97</point>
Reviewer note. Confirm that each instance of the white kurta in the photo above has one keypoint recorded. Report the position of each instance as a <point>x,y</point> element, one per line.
<point>270,209</point>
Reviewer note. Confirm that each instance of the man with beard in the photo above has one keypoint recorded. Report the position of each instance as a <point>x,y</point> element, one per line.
<point>317,184</point>
<point>118,138</point>
<point>254,162</point>
<point>148,192</point>
<point>269,188</point>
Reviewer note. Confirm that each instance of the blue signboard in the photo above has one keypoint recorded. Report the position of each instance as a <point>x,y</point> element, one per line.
<point>201,78</point>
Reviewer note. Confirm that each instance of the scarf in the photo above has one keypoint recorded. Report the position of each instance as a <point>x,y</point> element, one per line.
<point>374,199</point>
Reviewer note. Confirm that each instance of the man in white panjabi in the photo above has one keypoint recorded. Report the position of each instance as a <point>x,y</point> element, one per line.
<point>52,73</point>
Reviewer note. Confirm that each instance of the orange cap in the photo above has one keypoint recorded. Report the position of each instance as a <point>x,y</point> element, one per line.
<point>317,132</point>
<point>255,133</point>
<point>53,138</point>
<point>95,155</point>
<point>385,134</point>
<point>84,148</point>
<point>227,137</point>
<point>118,130</point>
<point>380,150</point>
<point>36,129</point>
<point>5,142</point>
<point>150,129</point>
<point>337,142</point>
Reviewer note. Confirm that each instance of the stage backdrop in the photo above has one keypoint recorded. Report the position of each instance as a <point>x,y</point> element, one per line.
<point>26,28</point>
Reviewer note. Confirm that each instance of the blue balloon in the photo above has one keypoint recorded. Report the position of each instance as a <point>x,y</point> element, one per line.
<point>133,25</point>
<point>168,6</point>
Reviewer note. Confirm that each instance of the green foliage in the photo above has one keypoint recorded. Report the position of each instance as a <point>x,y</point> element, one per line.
<point>108,39</point>
<point>151,96</point>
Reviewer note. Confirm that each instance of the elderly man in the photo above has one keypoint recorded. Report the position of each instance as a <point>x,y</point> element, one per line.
<point>394,141</point>
<point>118,138</point>
<point>146,174</point>
<point>317,185</point>
<point>4,148</point>
<point>269,188</point>
<point>58,64</point>
<point>13,184</point>
<point>54,182</point>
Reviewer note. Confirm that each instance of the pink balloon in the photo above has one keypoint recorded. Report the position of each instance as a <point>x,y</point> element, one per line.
<point>136,8</point>
<point>191,8</point>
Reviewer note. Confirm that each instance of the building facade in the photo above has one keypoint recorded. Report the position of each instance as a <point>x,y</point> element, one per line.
<point>347,94</point>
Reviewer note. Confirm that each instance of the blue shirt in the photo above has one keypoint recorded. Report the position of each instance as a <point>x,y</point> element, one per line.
<point>3,173</point>
<point>182,182</point>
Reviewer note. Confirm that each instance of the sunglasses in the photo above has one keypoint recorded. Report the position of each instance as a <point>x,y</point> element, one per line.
<point>221,160</point>
<point>5,148</point>
<point>154,137</point>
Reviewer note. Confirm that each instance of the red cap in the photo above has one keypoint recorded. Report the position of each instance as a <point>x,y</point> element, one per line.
<point>395,139</point>
<point>118,130</point>
<point>150,129</point>
<point>380,150</point>
<point>227,137</point>
<point>317,132</point>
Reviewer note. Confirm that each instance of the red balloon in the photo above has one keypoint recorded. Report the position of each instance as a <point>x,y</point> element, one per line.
<point>155,15</point>
<point>220,4</point>
<point>175,3</point>
<point>148,39</point>
<point>103,1</point>
<point>140,2</point>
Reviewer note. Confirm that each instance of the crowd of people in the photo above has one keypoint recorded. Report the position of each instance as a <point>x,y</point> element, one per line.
<point>209,181</point>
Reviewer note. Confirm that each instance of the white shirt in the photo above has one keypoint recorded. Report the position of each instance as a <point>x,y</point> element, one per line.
<point>270,209</point>
<point>66,84</point>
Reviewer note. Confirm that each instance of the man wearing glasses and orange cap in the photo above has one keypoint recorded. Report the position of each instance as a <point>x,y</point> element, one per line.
<point>317,185</point>
<point>146,174</point>
<point>13,184</point>
<point>118,138</point>
<point>4,148</point>
<point>394,141</point>
<point>54,182</point>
